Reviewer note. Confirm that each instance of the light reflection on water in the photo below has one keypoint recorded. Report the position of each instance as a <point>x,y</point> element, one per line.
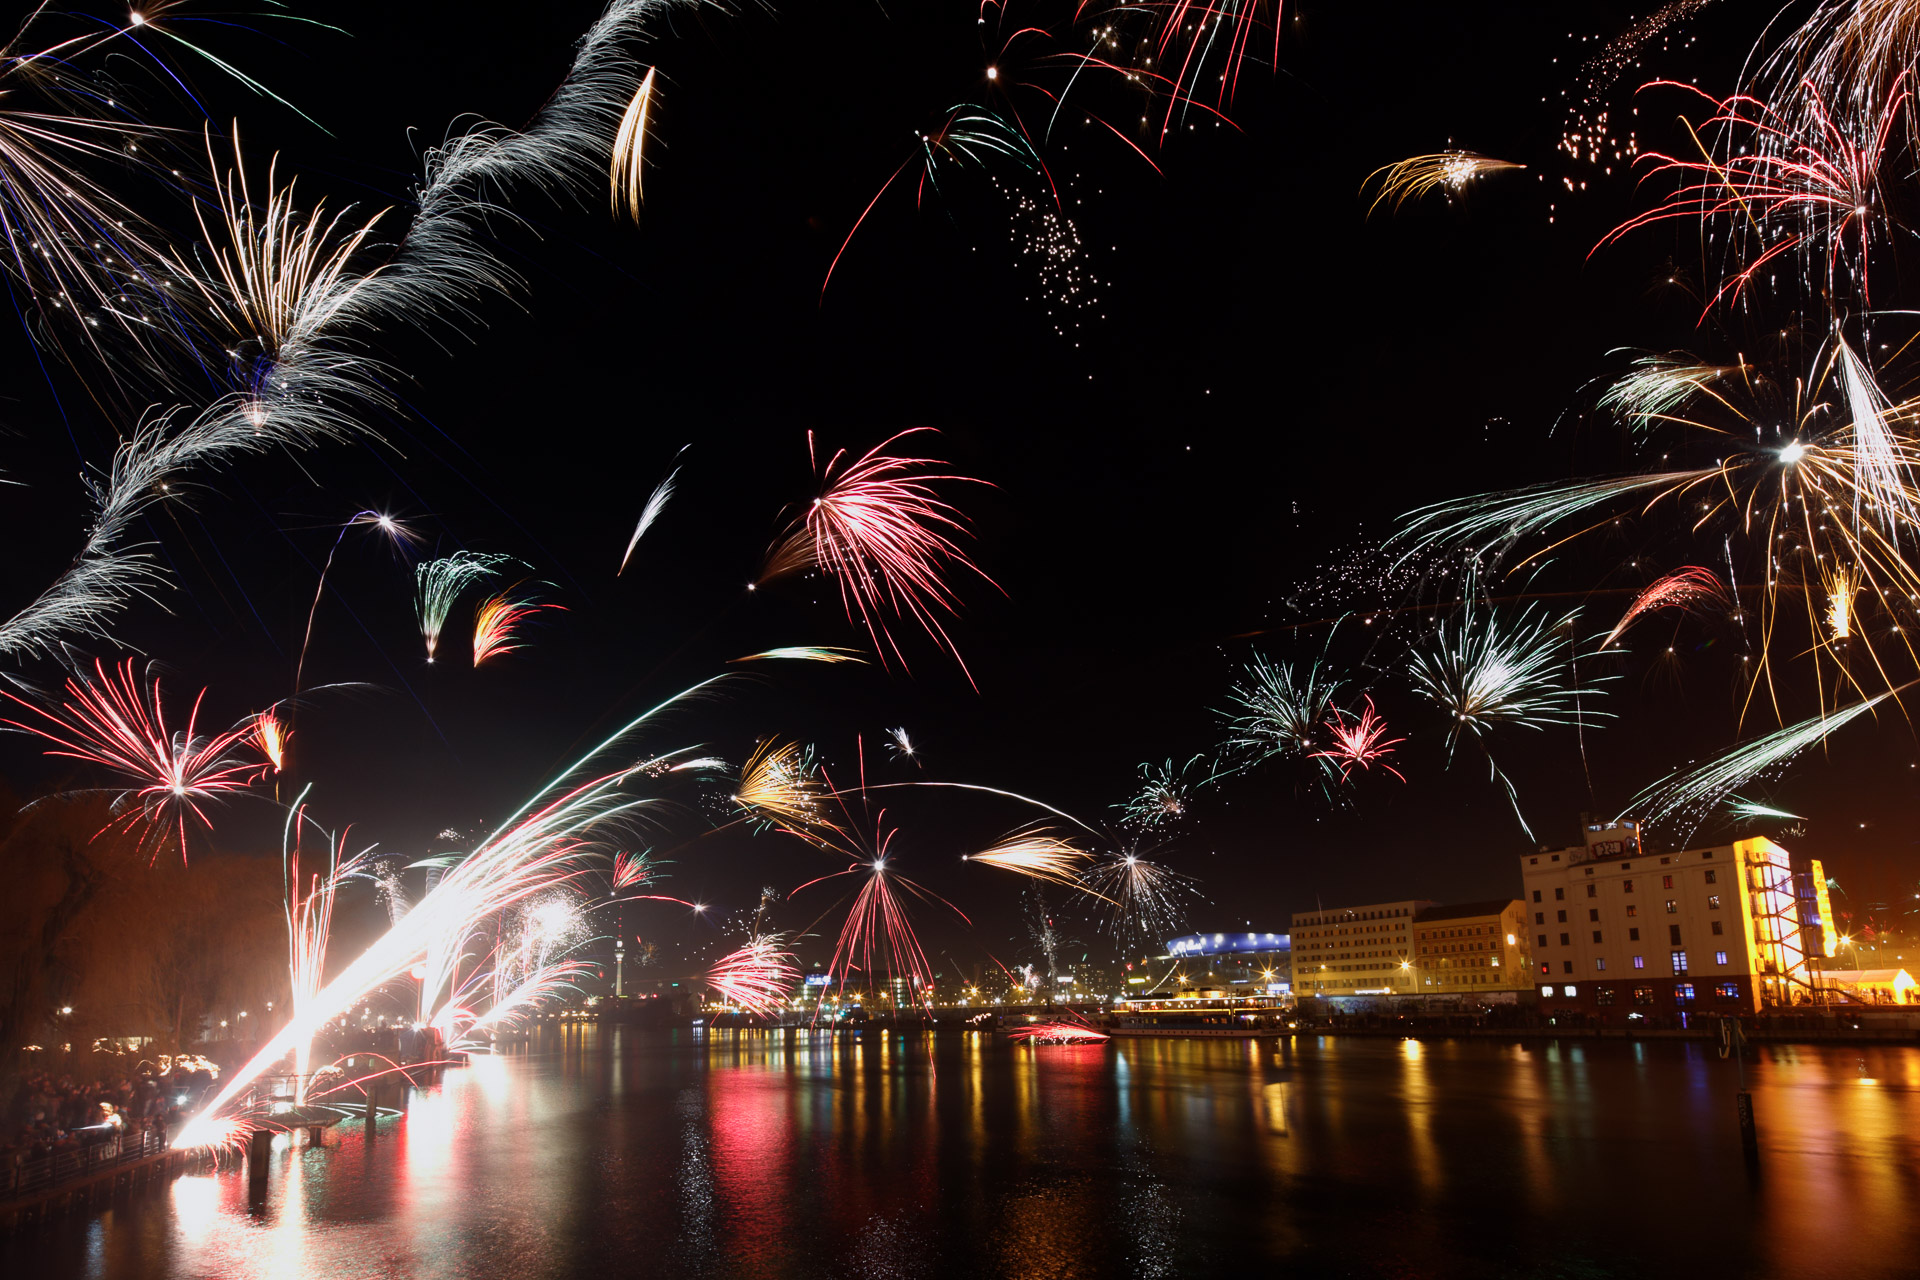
<point>762,1155</point>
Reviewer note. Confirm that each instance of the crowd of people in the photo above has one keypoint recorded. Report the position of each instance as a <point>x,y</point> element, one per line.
<point>49,1114</point>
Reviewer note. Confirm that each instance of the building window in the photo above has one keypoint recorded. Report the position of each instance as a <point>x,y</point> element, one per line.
<point>1567,966</point>
<point>1683,993</point>
<point>1559,894</point>
<point>1543,939</point>
<point>1632,910</point>
<point>1570,992</point>
<point>1726,991</point>
<point>1603,995</point>
<point>1672,907</point>
<point>1639,962</point>
<point>1593,890</point>
<point>1712,878</point>
<point>1596,937</point>
<point>1600,964</point>
<point>1594,914</point>
<point>1626,886</point>
<point>1719,957</point>
<point>1539,917</point>
<point>1536,892</point>
<point>1643,995</point>
<point>1679,962</point>
<point>1565,941</point>
<point>1713,902</point>
<point>1563,917</point>
<point>1546,989</point>
<point>1545,967</point>
<point>1633,935</point>
<point>1666,882</point>
<point>1673,935</point>
<point>1717,929</point>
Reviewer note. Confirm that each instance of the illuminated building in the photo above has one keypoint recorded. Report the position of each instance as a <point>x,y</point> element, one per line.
<point>1473,948</point>
<point>1236,958</point>
<point>1356,951</point>
<point>1623,936</point>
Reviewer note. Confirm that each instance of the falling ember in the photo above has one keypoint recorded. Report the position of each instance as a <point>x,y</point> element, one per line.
<point>495,624</point>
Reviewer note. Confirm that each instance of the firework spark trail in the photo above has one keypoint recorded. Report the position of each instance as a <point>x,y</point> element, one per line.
<point>309,911</point>
<point>1163,797</point>
<point>513,1006</point>
<point>902,745</point>
<point>1658,386</point>
<point>758,976</point>
<point>1880,483</point>
<point>631,870</point>
<point>438,585</point>
<point>1587,134</point>
<point>1678,589</point>
<point>656,503</point>
<point>1036,853</point>
<point>496,624</point>
<point>1058,1033</point>
<point>627,174</point>
<point>805,653</point>
<point>115,721</point>
<point>300,397</point>
<point>1490,520</point>
<point>879,529</point>
<point>1750,810</point>
<point>269,735</point>
<point>1792,182</point>
<point>549,841</point>
<point>1700,790</point>
<point>781,787</point>
<point>1362,744</point>
<point>1277,708</point>
<point>1416,176</point>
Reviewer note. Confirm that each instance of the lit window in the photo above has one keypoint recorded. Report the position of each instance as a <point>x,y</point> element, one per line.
<point>1666,882</point>
<point>1626,886</point>
<point>1643,995</point>
<point>1683,992</point>
<point>1719,957</point>
<point>1547,967</point>
<point>1632,910</point>
<point>1603,996</point>
<point>1547,989</point>
<point>1679,962</point>
<point>1570,992</point>
<point>1726,991</point>
<point>1600,964</point>
<point>1639,962</point>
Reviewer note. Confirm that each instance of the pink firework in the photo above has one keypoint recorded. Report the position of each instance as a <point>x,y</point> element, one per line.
<point>1805,181</point>
<point>116,722</point>
<point>882,532</point>
<point>878,921</point>
<point>1680,588</point>
<point>631,869</point>
<point>1058,1033</point>
<point>496,624</point>
<point>758,976</point>
<point>1361,744</point>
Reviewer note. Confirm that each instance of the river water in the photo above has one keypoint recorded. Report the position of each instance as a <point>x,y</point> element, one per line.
<point>607,1152</point>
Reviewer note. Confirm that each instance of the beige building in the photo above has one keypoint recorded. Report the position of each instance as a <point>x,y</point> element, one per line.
<point>1473,947</point>
<point>1624,936</point>
<point>1355,951</point>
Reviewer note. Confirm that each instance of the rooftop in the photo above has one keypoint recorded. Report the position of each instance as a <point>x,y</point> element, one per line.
<point>1464,910</point>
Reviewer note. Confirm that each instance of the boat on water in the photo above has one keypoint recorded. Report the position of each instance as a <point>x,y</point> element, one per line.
<point>1206,1011</point>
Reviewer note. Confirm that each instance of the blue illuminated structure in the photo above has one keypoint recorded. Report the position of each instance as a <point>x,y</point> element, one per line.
<point>1228,944</point>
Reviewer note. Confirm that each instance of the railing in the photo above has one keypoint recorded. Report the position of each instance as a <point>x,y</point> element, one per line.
<point>30,1177</point>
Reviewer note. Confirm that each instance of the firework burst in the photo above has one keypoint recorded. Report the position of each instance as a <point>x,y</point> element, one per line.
<point>1276,708</point>
<point>881,531</point>
<point>780,786</point>
<point>439,584</point>
<point>1361,744</point>
<point>1416,176</point>
<point>1677,590</point>
<point>758,976</point>
<point>1036,853</point>
<point>120,722</point>
<point>496,624</point>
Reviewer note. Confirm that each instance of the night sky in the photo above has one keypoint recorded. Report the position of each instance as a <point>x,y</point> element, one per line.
<point>1256,381</point>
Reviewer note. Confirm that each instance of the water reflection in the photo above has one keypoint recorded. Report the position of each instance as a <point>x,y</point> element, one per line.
<point>809,1154</point>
